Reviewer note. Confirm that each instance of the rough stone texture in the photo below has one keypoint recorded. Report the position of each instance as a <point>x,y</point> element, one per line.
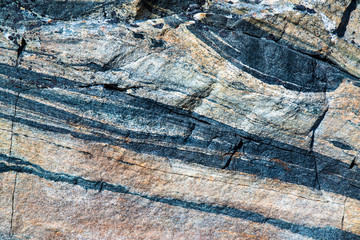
<point>152,119</point>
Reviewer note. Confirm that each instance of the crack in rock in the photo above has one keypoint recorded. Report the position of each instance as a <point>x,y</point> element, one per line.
<point>340,31</point>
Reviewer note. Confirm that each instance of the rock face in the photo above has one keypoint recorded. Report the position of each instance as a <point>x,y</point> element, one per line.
<point>154,119</point>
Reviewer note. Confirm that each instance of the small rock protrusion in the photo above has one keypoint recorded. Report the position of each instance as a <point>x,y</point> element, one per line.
<point>200,16</point>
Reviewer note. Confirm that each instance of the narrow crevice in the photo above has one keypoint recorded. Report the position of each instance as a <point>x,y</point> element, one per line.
<point>21,48</point>
<point>313,129</point>
<point>110,86</point>
<point>189,132</point>
<point>283,31</point>
<point>323,58</point>
<point>317,185</point>
<point>11,231</point>
<point>354,185</point>
<point>294,150</point>
<point>101,186</point>
<point>352,164</point>
<point>316,181</point>
<point>12,123</point>
<point>19,52</point>
<point>227,164</point>
<point>343,216</point>
<point>312,140</point>
<point>117,88</point>
<point>10,154</point>
<point>237,147</point>
<point>340,31</point>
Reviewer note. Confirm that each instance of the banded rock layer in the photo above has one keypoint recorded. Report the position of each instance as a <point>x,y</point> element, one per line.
<point>151,119</point>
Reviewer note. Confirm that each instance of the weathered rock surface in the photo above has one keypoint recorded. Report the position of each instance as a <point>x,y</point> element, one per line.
<point>152,119</point>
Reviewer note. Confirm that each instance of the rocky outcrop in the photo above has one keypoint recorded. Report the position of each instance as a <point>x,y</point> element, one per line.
<point>151,119</point>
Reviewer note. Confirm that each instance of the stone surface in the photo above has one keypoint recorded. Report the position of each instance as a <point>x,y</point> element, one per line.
<point>151,119</point>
